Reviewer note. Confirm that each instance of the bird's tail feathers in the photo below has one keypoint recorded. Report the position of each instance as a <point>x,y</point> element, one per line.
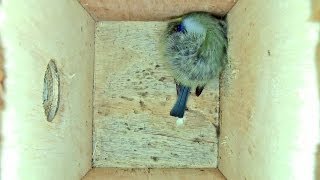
<point>181,103</point>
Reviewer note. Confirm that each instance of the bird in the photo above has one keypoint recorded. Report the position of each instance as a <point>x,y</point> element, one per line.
<point>194,47</point>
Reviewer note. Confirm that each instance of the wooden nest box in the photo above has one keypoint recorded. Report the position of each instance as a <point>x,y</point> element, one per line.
<point>85,94</point>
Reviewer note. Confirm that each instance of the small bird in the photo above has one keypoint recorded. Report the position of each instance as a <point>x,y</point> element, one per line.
<point>194,48</point>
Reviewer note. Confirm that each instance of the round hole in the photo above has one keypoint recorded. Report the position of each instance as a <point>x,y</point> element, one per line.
<point>51,91</point>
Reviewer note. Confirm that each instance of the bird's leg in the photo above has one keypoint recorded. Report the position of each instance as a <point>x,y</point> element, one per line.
<point>199,90</point>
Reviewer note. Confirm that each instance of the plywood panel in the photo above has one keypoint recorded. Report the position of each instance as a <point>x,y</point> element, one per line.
<point>146,10</point>
<point>153,174</point>
<point>32,35</point>
<point>269,94</point>
<point>133,97</point>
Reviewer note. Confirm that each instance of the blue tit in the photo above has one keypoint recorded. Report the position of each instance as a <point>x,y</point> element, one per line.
<point>194,48</point>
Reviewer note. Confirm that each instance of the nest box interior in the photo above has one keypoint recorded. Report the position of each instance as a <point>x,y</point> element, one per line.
<point>85,94</point>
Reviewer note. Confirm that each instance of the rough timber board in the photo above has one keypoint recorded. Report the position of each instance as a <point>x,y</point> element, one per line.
<point>146,10</point>
<point>153,174</point>
<point>31,35</point>
<point>133,97</point>
<point>269,100</point>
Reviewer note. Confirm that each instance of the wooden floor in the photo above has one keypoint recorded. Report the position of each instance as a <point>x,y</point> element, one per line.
<point>133,97</point>
<point>153,174</point>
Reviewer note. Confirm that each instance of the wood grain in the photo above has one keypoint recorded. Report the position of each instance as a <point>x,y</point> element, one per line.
<point>269,92</point>
<point>146,10</point>
<point>133,97</point>
<point>153,174</point>
<point>32,147</point>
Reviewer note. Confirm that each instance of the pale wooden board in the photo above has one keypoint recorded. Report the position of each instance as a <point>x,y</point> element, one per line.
<point>132,100</point>
<point>31,35</point>
<point>269,101</point>
<point>146,10</point>
<point>153,174</point>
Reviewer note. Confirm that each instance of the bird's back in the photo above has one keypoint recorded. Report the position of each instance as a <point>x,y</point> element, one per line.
<point>196,52</point>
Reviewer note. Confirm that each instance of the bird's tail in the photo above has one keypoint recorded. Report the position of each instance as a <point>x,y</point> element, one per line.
<point>181,103</point>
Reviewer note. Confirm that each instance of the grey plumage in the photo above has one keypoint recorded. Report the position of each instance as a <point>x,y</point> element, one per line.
<point>195,52</point>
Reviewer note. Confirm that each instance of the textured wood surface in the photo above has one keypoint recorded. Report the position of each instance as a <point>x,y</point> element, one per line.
<point>31,35</point>
<point>153,174</point>
<point>269,93</point>
<point>132,101</point>
<point>146,10</point>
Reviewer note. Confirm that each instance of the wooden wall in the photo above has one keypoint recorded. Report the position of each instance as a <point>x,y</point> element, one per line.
<point>153,174</point>
<point>33,33</point>
<point>146,10</point>
<point>269,95</point>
